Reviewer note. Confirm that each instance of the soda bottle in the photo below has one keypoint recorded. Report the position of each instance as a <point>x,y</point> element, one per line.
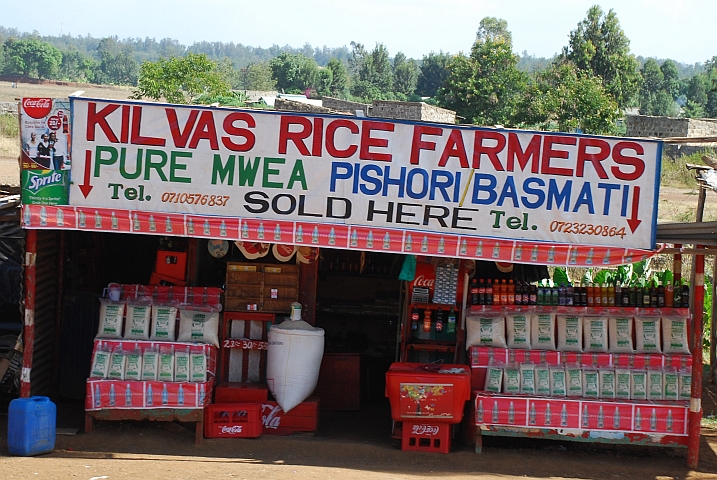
<point>570,295</point>
<point>527,288</point>
<point>511,292</point>
<point>451,327</point>
<point>474,292</point>
<point>540,297</point>
<point>633,296</point>
<point>583,296</point>
<point>415,316</point>
<point>611,295</point>
<point>496,292</point>
<point>481,292</point>
<point>503,292</point>
<point>645,296</point>
<point>618,294</point>
<point>604,294</point>
<point>685,296</point>
<point>555,296</point>
<point>561,295</point>
<point>439,321</point>
<point>597,295</point>
<point>519,293</point>
<point>660,296</point>
<point>625,296</point>
<point>590,295</point>
<point>427,320</point>
<point>669,294</point>
<point>533,300</point>
<point>488,293</point>
<point>653,295</point>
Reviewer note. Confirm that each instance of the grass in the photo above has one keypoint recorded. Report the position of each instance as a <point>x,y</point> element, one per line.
<point>709,421</point>
<point>675,173</point>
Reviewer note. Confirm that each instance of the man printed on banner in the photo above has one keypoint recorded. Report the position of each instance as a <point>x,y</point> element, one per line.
<point>43,152</point>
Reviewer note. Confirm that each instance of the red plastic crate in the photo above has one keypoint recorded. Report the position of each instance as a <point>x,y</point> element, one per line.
<point>171,264</point>
<point>236,392</point>
<point>426,437</point>
<point>232,420</point>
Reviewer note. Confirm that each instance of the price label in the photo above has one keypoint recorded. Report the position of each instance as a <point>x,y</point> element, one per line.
<point>245,344</point>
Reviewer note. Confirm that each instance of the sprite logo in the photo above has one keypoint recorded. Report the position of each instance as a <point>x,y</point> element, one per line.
<point>39,181</point>
<point>45,187</point>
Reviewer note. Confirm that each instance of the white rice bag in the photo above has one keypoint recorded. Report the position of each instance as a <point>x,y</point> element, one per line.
<point>198,325</point>
<point>485,331</point>
<point>671,385</point>
<point>118,363</point>
<point>150,364</point>
<point>655,385</point>
<point>685,384</point>
<point>674,335</point>
<point>527,379</point>
<point>542,331</point>
<point>133,370</point>
<point>622,383</point>
<point>638,385</point>
<point>111,314</point>
<point>166,364</point>
<point>164,322</point>
<point>607,383</point>
<point>100,362</point>
<point>518,327</point>
<point>574,380</point>
<point>198,365</point>
<point>620,332</point>
<point>570,333</point>
<point>139,319</point>
<point>591,383</point>
<point>181,364</point>
<point>595,333</point>
<point>494,379</point>
<point>647,335</point>
<point>511,379</point>
<point>557,382</point>
<point>542,380</point>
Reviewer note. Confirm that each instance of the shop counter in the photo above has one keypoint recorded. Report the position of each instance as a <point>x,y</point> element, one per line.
<point>428,391</point>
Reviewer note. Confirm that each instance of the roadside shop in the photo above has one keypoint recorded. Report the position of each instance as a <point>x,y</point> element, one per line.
<point>377,228</point>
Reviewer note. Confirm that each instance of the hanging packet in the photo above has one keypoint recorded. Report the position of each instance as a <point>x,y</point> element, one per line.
<point>620,332</point>
<point>111,313</point>
<point>118,363</point>
<point>139,316</point>
<point>518,327</point>
<point>133,370</point>
<point>166,364</point>
<point>647,335</point>
<point>198,366</point>
<point>164,322</point>
<point>674,335</point>
<point>150,364</point>
<point>542,331</point>
<point>595,333</point>
<point>199,324</point>
<point>181,364</point>
<point>570,333</point>
<point>485,331</point>
<point>100,362</point>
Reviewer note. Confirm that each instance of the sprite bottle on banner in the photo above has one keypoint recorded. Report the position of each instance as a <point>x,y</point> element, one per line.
<point>45,187</point>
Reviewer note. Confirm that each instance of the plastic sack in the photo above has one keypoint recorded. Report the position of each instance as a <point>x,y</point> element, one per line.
<point>139,319</point>
<point>293,361</point>
<point>485,331</point>
<point>198,324</point>
<point>111,314</point>
<point>164,322</point>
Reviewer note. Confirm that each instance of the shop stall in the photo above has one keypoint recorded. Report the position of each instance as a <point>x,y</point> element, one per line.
<point>374,226</point>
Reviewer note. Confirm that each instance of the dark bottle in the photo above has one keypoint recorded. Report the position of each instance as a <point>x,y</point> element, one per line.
<point>451,327</point>
<point>518,293</point>
<point>488,293</point>
<point>618,294</point>
<point>533,298</point>
<point>439,321</point>
<point>646,296</point>
<point>555,296</point>
<point>561,295</point>
<point>527,290</point>
<point>653,295</point>
<point>540,297</point>
<point>685,294</point>
<point>625,301</point>
<point>633,296</point>
<point>474,292</point>
<point>570,295</point>
<point>415,317</point>
<point>661,296</point>
<point>481,292</point>
<point>583,296</point>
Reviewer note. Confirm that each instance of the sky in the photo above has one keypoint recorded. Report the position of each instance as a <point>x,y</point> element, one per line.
<point>682,30</point>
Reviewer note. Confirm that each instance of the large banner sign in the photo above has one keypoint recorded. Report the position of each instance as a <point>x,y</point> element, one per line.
<point>355,177</point>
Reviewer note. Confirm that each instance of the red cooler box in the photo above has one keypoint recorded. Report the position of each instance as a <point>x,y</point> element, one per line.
<point>421,391</point>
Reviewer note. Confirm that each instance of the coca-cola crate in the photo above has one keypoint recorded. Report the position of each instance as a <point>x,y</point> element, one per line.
<point>241,392</point>
<point>232,420</point>
<point>426,436</point>
<point>303,418</point>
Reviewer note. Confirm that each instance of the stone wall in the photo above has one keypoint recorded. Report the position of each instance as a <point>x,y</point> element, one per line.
<point>346,106</point>
<point>8,107</point>
<point>417,111</point>
<point>284,105</point>
<point>662,127</point>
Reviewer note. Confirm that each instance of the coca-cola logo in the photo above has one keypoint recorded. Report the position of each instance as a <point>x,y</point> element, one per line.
<point>273,419</point>
<point>233,430</point>
<point>421,281</point>
<point>54,123</point>
<point>37,107</point>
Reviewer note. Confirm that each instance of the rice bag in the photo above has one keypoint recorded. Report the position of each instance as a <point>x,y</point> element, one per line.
<point>118,363</point>
<point>674,335</point>
<point>570,333</point>
<point>622,383</point>
<point>527,379</point>
<point>671,385</point>
<point>655,385</point>
<point>638,385</point>
<point>150,364</point>
<point>133,371</point>
<point>198,325</point>
<point>166,364</point>
<point>198,365</point>
<point>518,330</point>
<point>485,331</point>
<point>574,379</point>
<point>164,322</point>
<point>111,314</point>
<point>542,380</point>
<point>557,382</point>
<point>685,384</point>
<point>139,316</point>
<point>607,383</point>
<point>494,379</point>
<point>620,333</point>
<point>181,364</point>
<point>100,362</point>
<point>511,379</point>
<point>647,335</point>
<point>595,333</point>
<point>542,331</point>
<point>591,383</point>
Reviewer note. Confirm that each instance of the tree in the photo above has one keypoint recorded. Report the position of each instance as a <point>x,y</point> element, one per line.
<point>567,98</point>
<point>405,74</point>
<point>30,56</point>
<point>600,47</point>
<point>257,76</point>
<point>671,78</point>
<point>374,75</point>
<point>485,86</point>
<point>433,73</point>
<point>339,77</point>
<point>491,28</point>
<point>181,80</point>
<point>77,67</point>
<point>117,63</point>
<point>294,73</point>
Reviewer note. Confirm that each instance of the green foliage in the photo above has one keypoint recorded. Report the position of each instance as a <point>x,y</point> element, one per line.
<point>181,80</point>
<point>257,76</point>
<point>9,127</point>
<point>405,74</point>
<point>294,73</point>
<point>339,78</point>
<point>31,57</point>
<point>433,73</point>
<point>560,275</point>
<point>568,99</point>
<point>674,172</point>
<point>600,46</point>
<point>485,87</point>
<point>372,72</point>
<point>233,99</point>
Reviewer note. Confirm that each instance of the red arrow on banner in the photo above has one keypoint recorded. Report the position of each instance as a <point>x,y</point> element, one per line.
<point>85,187</point>
<point>633,221</point>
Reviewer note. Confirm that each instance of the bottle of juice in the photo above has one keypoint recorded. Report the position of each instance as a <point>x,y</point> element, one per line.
<point>669,294</point>
<point>511,292</point>
<point>503,292</point>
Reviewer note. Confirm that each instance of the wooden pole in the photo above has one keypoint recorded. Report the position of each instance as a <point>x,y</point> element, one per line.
<point>29,327</point>
<point>695,413</point>
<point>713,332</point>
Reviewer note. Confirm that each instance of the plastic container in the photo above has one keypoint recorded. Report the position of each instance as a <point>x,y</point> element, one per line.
<point>31,426</point>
